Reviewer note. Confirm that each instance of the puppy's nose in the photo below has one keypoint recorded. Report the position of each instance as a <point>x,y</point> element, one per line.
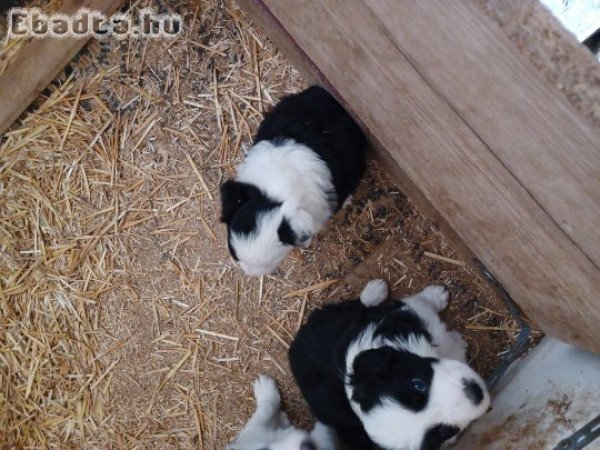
<point>473,391</point>
<point>308,445</point>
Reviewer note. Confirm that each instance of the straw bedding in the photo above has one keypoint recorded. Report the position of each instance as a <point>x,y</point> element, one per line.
<point>123,321</point>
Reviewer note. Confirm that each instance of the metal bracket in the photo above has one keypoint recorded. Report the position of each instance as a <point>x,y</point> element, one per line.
<point>582,437</point>
<point>519,346</point>
<point>585,435</point>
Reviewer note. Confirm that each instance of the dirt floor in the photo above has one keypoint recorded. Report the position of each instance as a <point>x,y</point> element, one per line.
<point>124,323</point>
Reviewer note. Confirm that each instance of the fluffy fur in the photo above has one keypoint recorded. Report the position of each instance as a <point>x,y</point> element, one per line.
<point>387,375</point>
<point>307,159</point>
<point>270,429</point>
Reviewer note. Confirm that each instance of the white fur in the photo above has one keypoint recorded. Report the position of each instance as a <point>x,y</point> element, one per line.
<point>269,427</point>
<point>393,426</point>
<point>426,304</point>
<point>374,293</point>
<point>291,173</point>
<point>261,252</point>
<point>324,437</point>
<point>294,175</point>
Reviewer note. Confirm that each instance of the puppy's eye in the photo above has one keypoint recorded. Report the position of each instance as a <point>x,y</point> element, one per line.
<point>419,385</point>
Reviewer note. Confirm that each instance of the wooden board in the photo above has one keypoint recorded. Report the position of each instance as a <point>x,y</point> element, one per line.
<point>465,120</point>
<point>39,62</point>
<point>530,129</point>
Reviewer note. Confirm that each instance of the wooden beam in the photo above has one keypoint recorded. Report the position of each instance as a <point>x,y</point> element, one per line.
<point>39,62</point>
<point>472,126</point>
<point>525,124</point>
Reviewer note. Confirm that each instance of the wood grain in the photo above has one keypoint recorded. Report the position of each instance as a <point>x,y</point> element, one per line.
<point>428,141</point>
<point>39,62</point>
<point>530,129</point>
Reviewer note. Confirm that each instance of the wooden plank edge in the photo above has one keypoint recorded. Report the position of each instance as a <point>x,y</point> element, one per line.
<point>35,58</point>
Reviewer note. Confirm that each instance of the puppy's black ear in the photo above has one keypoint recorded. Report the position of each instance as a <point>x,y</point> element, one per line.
<point>233,195</point>
<point>286,234</point>
<point>372,373</point>
<point>297,227</point>
<point>374,363</point>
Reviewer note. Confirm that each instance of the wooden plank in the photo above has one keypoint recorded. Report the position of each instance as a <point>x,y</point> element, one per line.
<point>39,62</point>
<point>531,129</point>
<point>428,142</point>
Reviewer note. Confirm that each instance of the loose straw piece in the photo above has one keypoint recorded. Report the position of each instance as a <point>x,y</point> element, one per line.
<point>315,287</point>
<point>456,262</point>
<point>199,175</point>
<point>278,337</point>
<point>217,335</point>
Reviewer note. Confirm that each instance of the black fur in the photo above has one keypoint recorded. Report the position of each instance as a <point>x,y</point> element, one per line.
<point>317,358</point>
<point>401,323</point>
<point>473,391</point>
<point>5,5</point>
<point>308,445</point>
<point>241,204</point>
<point>286,234</point>
<point>315,118</point>
<point>376,377</point>
<point>436,436</point>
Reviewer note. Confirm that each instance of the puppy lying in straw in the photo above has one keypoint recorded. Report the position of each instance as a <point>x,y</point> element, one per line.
<point>307,159</point>
<point>269,427</point>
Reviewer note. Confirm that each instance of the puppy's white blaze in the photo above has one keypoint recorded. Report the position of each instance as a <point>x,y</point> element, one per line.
<point>417,344</point>
<point>365,341</point>
<point>395,427</point>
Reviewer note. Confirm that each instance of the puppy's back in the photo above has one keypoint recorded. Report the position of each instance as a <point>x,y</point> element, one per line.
<point>316,119</point>
<point>318,357</point>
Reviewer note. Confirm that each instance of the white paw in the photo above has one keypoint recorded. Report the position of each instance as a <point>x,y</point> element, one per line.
<point>374,293</point>
<point>437,296</point>
<point>266,392</point>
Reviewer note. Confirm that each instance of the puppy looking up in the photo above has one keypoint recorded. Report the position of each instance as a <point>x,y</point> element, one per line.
<point>307,159</point>
<point>270,429</point>
<point>387,375</point>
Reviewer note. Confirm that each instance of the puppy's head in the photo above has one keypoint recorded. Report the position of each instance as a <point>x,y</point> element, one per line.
<point>261,231</point>
<point>406,401</point>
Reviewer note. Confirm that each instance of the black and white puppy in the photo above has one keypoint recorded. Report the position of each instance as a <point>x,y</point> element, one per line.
<point>387,375</point>
<point>307,159</point>
<point>270,429</point>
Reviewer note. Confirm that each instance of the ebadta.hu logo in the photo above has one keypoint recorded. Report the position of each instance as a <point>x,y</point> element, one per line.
<point>32,22</point>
